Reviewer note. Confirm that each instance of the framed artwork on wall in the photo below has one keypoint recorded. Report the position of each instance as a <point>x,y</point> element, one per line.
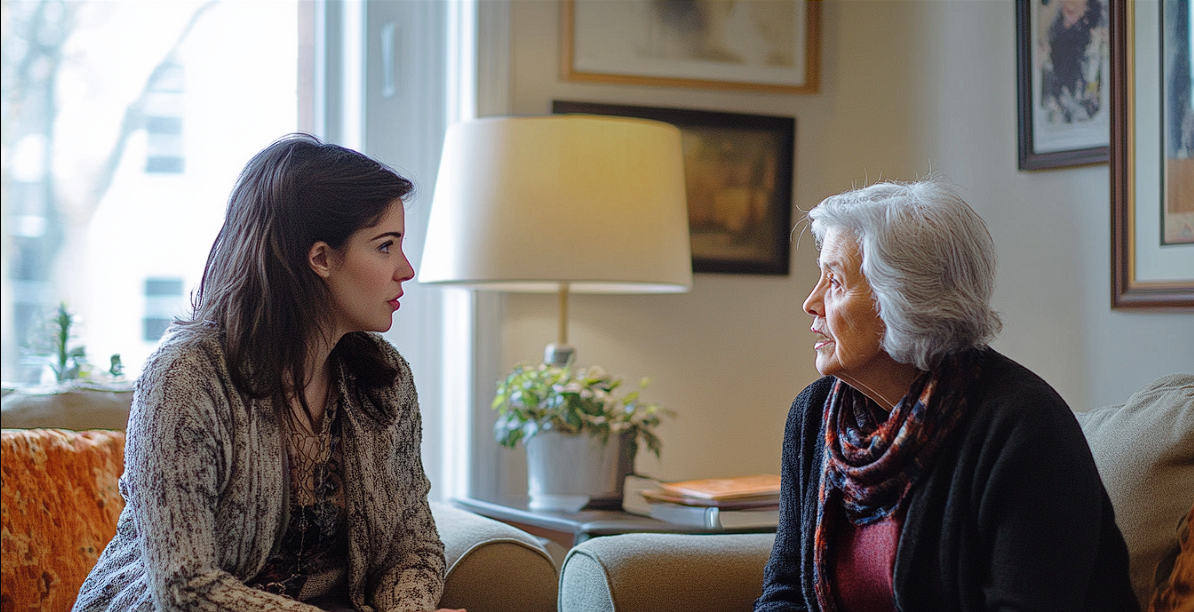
<point>1063,73</point>
<point>1152,155</point>
<point>762,45</point>
<point>738,175</point>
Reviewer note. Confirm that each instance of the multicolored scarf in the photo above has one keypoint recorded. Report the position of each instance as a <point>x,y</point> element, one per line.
<point>873,458</point>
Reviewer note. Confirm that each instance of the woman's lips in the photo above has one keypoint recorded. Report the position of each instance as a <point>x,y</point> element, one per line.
<point>822,341</point>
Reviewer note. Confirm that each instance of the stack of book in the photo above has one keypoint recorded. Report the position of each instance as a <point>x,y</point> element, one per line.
<point>712,503</point>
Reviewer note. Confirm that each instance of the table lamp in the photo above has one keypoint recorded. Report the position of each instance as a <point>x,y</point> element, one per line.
<point>560,203</point>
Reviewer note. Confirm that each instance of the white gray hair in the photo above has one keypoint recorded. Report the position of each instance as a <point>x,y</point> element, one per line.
<point>930,262</point>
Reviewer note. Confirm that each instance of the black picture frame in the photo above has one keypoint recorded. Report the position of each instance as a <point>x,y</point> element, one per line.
<point>1065,144</point>
<point>738,174</point>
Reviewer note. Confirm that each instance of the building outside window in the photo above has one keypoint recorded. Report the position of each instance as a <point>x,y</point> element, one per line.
<point>125,124</point>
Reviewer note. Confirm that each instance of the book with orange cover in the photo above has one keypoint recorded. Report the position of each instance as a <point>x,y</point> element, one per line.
<point>741,503</point>
<point>737,487</point>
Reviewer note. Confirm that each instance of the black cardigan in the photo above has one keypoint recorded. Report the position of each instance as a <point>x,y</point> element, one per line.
<point>1012,515</point>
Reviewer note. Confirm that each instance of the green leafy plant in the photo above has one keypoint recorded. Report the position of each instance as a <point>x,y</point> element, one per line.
<point>69,362</point>
<point>533,399</point>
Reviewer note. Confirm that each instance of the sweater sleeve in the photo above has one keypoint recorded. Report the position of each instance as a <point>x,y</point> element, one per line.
<point>412,577</point>
<point>784,575</point>
<point>173,477</point>
<point>414,580</point>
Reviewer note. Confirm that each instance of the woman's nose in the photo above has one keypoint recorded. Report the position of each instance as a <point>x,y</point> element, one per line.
<point>405,271</point>
<point>812,303</point>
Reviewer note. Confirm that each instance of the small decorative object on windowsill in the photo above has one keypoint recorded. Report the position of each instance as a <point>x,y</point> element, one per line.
<point>68,361</point>
<point>581,436</point>
<point>73,394</point>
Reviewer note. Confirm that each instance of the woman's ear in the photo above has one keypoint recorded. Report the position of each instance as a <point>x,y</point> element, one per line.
<point>320,259</point>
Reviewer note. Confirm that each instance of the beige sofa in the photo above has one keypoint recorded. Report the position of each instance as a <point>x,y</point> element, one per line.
<point>60,504</point>
<point>1145,453</point>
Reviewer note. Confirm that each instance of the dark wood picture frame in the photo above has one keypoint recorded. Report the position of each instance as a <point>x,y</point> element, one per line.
<point>1029,115</point>
<point>708,69</point>
<point>1129,287</point>
<point>738,172</point>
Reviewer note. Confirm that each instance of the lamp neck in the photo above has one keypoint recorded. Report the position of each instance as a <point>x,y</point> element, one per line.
<point>562,336</point>
<point>560,353</point>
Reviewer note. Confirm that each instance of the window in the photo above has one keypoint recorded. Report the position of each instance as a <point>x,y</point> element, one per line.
<point>124,127</point>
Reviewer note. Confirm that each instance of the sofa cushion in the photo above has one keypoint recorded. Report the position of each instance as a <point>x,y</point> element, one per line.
<point>60,503</point>
<point>1144,450</point>
<point>665,572</point>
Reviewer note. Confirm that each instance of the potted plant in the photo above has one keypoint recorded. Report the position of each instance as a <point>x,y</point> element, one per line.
<point>79,397</point>
<point>581,435</point>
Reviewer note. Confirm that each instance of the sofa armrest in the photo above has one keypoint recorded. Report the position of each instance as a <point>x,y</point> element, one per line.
<point>76,408</point>
<point>655,572</point>
<point>491,566</point>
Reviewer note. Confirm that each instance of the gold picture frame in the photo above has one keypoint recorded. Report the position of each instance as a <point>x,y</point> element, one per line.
<point>1150,270</point>
<point>756,45</point>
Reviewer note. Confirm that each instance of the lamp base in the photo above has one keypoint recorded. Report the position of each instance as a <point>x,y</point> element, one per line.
<point>558,354</point>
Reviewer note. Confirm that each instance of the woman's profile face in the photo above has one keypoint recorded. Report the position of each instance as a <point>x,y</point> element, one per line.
<point>849,330</point>
<point>365,275</point>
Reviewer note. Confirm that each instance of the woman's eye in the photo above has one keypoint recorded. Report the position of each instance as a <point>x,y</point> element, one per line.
<point>385,246</point>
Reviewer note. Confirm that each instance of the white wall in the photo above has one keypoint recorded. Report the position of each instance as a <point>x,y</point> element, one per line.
<point>907,86</point>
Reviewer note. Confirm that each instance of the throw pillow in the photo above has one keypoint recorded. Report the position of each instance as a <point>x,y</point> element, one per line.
<point>60,504</point>
<point>1144,450</point>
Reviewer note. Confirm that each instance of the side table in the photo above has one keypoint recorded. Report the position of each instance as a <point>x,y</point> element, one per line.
<point>571,528</point>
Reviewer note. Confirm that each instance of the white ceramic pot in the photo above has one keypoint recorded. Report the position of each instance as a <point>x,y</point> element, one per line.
<point>567,472</point>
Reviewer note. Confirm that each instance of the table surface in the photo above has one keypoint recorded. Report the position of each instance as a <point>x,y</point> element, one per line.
<point>585,524</point>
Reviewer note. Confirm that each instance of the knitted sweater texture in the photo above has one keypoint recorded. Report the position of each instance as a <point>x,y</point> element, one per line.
<point>206,485</point>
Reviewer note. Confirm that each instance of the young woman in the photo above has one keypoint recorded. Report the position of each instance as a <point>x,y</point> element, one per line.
<point>272,458</point>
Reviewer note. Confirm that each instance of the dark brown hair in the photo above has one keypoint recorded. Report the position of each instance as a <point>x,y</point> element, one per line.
<point>258,291</point>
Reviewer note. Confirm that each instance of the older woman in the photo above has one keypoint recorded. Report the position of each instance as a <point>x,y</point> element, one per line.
<point>925,471</point>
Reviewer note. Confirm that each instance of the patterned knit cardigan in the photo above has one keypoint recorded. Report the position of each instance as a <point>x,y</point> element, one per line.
<point>207,491</point>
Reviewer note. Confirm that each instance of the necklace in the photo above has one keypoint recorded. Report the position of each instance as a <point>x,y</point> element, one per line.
<point>316,501</point>
<point>311,452</point>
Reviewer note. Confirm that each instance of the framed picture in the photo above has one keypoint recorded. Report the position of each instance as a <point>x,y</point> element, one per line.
<point>738,175</point>
<point>1152,155</point>
<point>1063,69</point>
<point>764,45</point>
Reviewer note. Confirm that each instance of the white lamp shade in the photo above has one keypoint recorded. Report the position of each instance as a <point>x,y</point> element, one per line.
<point>528,203</point>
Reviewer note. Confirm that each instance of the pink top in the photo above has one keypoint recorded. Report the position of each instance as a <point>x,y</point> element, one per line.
<point>863,563</point>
